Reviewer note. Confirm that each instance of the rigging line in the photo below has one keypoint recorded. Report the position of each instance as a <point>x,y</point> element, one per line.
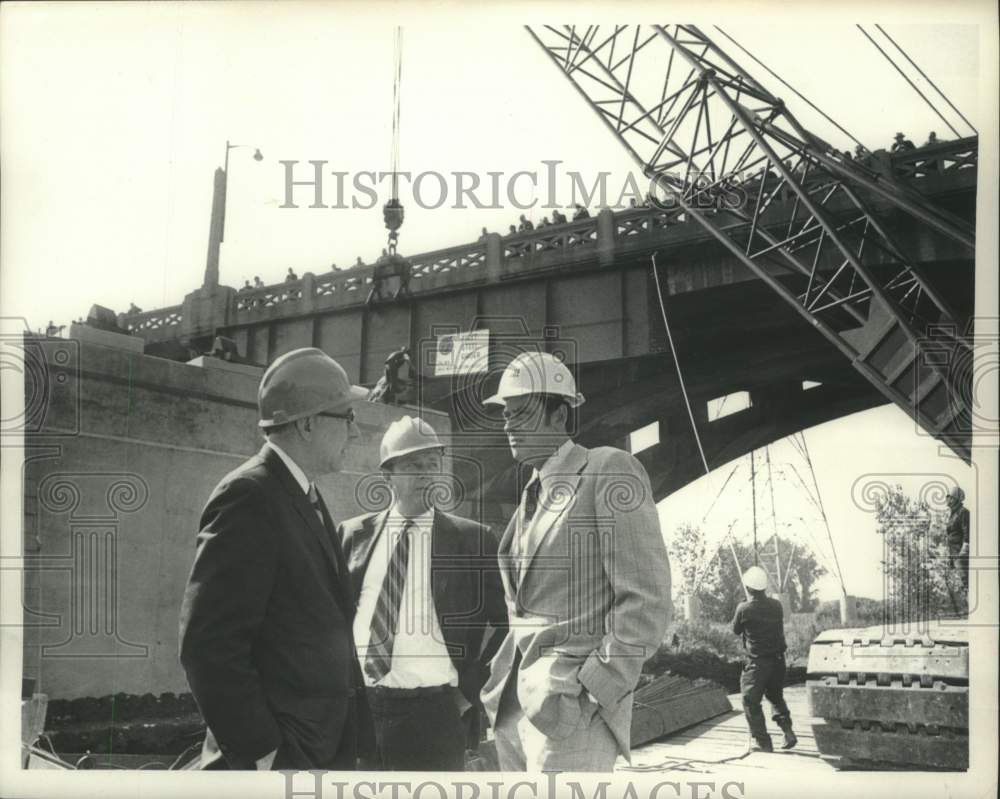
<point>774,516</point>
<point>822,510</point>
<point>727,540</point>
<point>924,76</point>
<point>677,365</point>
<point>801,96</point>
<point>717,496</point>
<point>907,79</point>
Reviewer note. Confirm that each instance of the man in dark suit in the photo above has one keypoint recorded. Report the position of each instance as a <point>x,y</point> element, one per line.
<point>265,626</point>
<point>428,591</point>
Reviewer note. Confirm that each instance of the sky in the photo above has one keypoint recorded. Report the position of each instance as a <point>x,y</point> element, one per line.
<point>115,116</point>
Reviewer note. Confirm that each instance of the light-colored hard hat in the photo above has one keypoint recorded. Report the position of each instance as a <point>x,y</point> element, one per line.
<point>405,436</point>
<point>755,578</point>
<point>301,383</point>
<point>536,373</point>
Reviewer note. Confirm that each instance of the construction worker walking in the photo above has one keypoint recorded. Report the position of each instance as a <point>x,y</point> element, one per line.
<point>759,621</point>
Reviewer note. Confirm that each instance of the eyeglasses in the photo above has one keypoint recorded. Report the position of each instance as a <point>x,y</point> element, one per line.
<point>349,416</point>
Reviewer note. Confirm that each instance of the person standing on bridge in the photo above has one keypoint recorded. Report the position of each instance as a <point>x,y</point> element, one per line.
<point>957,532</point>
<point>759,621</point>
<point>587,580</point>
<point>265,625</point>
<point>431,611</point>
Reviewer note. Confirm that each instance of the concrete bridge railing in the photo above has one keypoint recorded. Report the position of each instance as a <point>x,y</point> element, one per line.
<point>494,257</point>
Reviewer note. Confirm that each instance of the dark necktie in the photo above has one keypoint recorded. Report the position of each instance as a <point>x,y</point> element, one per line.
<point>315,501</point>
<point>530,506</point>
<point>385,620</point>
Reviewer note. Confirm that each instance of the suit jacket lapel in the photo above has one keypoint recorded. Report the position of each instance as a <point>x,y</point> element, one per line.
<point>558,495</point>
<point>343,573</point>
<point>301,504</point>
<point>362,545</point>
<point>443,543</point>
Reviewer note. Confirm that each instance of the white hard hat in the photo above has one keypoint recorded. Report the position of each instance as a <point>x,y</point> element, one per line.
<point>407,435</point>
<point>755,578</point>
<point>536,373</point>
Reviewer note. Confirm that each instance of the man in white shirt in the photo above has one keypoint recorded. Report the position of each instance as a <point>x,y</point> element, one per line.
<point>430,610</point>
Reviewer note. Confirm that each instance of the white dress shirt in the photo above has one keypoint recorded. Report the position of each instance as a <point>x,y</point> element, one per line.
<point>419,655</point>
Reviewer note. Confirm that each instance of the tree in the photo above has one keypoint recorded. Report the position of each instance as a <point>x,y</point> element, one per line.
<point>717,582</point>
<point>920,586</point>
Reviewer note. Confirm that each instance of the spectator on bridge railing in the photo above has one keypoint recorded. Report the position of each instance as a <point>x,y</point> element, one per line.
<point>257,282</point>
<point>291,277</point>
<point>484,234</point>
<point>525,224</point>
<point>512,231</point>
<point>901,144</point>
<point>559,218</point>
<point>359,262</point>
<point>133,308</point>
<point>931,139</point>
<point>544,223</point>
<point>245,287</point>
<point>580,213</point>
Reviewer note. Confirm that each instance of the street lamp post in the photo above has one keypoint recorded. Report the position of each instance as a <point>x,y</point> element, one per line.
<point>217,225</point>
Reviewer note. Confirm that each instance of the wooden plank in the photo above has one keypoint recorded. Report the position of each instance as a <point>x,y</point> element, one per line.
<point>672,703</point>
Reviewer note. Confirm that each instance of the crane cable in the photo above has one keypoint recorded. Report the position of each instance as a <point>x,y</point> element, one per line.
<point>797,93</point>
<point>677,364</point>
<point>396,84</point>
<point>924,76</point>
<point>907,79</point>
<point>680,379</point>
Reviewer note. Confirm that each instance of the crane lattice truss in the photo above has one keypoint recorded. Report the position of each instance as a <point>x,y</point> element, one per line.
<point>727,153</point>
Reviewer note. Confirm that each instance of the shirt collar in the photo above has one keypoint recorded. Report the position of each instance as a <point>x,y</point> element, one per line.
<point>396,520</point>
<point>293,467</point>
<point>553,461</point>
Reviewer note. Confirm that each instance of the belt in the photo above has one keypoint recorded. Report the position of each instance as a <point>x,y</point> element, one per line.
<point>385,692</point>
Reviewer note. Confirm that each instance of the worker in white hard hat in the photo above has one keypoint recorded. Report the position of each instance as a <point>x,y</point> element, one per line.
<point>587,581</point>
<point>430,609</point>
<point>957,533</point>
<point>265,628</point>
<point>760,623</point>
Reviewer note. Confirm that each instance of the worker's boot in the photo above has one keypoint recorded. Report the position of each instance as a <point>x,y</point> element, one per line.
<point>786,728</point>
<point>763,743</point>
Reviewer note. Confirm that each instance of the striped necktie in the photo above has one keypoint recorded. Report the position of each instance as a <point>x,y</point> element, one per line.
<point>385,620</point>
